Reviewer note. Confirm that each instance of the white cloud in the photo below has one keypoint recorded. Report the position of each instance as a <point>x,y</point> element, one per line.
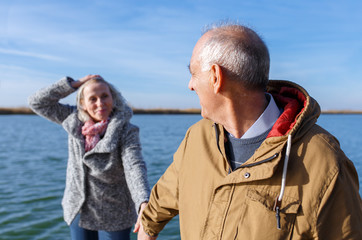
<point>30,54</point>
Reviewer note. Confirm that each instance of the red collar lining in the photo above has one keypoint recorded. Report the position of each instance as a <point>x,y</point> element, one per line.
<point>293,102</point>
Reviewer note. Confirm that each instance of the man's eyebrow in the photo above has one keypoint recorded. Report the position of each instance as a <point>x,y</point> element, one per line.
<point>188,66</point>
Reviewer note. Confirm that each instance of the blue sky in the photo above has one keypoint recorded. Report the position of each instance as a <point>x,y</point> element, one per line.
<point>144,47</point>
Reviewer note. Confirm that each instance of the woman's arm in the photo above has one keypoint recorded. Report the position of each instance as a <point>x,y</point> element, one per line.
<point>45,102</point>
<point>134,167</point>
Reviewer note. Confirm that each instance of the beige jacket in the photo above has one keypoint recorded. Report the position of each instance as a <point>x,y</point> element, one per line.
<point>320,198</point>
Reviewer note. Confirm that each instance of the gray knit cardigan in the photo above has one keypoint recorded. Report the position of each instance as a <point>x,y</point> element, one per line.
<point>107,184</point>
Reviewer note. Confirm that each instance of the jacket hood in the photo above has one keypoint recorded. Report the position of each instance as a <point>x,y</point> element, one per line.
<point>300,111</point>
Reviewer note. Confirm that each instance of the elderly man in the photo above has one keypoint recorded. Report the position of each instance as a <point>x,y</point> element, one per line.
<point>257,166</point>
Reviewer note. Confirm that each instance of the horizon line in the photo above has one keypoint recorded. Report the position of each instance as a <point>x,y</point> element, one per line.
<point>27,110</point>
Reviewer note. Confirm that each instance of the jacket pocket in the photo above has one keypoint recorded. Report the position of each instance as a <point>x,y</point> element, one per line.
<point>258,219</point>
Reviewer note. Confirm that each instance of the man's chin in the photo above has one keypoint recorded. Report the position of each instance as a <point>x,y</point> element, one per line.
<point>204,115</point>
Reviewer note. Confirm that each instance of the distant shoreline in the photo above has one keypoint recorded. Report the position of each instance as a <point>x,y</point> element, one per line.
<point>28,111</point>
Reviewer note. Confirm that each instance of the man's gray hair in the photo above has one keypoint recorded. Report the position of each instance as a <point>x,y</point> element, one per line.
<point>239,51</point>
<point>118,100</point>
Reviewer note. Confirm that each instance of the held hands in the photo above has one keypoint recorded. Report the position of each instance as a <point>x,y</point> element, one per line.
<point>139,228</point>
<point>78,83</point>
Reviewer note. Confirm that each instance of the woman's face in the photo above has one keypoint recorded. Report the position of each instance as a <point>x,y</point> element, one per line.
<point>97,101</point>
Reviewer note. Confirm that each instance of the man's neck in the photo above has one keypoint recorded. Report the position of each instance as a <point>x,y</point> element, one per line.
<point>241,114</point>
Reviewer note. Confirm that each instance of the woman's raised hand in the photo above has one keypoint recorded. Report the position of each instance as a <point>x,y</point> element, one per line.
<point>78,83</point>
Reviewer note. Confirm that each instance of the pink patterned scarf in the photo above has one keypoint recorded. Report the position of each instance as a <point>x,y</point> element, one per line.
<point>92,132</point>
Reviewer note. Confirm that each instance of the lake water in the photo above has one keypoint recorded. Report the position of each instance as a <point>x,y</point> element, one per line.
<point>33,154</point>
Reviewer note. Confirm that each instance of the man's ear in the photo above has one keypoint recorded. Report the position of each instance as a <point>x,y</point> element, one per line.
<point>217,78</point>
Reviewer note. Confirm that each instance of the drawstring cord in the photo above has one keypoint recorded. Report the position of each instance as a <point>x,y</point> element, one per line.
<point>284,176</point>
<point>278,201</point>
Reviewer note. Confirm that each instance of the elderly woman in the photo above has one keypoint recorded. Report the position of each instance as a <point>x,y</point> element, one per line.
<point>106,183</point>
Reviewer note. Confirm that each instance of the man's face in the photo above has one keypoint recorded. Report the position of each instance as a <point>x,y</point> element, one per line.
<point>201,84</point>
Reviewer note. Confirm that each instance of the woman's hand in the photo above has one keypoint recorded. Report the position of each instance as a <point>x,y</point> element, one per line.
<point>78,83</point>
<point>139,228</point>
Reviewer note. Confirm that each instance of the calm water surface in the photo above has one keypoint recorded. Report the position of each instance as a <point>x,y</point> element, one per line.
<point>33,154</point>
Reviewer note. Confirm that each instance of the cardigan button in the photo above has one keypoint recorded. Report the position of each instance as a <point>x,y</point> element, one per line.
<point>246,175</point>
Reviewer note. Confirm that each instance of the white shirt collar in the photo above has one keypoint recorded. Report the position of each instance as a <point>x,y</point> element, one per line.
<point>265,121</point>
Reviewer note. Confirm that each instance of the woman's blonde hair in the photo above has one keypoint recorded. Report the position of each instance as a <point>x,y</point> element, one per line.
<point>118,101</point>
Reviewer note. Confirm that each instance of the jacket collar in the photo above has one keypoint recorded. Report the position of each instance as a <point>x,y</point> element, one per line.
<point>299,109</point>
<point>73,125</point>
<point>299,114</point>
<point>111,138</point>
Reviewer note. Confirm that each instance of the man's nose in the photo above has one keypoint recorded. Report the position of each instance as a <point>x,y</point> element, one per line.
<point>191,87</point>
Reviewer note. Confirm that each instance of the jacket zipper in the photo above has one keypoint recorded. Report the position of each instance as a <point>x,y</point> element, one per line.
<point>241,166</point>
<point>257,163</point>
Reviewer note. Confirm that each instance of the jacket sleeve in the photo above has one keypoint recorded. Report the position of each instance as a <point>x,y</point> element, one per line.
<point>45,102</point>
<point>135,167</point>
<point>163,204</point>
<point>340,211</point>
